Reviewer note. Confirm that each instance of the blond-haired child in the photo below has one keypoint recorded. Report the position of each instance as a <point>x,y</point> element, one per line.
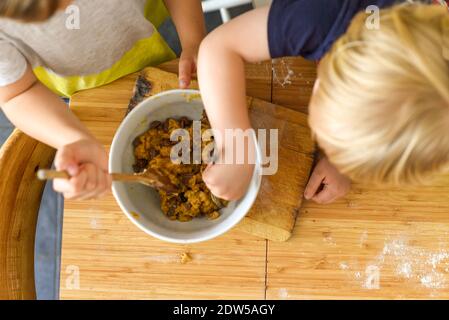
<point>380,108</point>
<point>54,48</point>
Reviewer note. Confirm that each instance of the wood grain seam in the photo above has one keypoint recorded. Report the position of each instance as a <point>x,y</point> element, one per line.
<point>266,269</point>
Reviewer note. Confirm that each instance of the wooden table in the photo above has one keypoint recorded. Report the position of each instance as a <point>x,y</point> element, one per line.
<point>375,243</point>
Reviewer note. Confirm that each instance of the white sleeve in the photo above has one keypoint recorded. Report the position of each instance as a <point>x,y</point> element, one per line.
<point>13,64</point>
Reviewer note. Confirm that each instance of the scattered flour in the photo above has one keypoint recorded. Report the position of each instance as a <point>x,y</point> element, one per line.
<point>417,263</point>
<point>327,238</point>
<point>372,277</point>
<point>427,268</point>
<point>165,258</point>
<point>283,293</point>
<point>94,224</point>
<point>432,281</point>
<point>363,238</point>
<point>405,270</point>
<point>344,266</point>
<point>283,74</point>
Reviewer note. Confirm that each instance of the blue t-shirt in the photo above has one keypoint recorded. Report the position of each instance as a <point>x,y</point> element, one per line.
<point>308,28</point>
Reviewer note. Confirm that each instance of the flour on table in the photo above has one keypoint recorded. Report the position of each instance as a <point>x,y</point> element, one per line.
<point>164,258</point>
<point>405,270</point>
<point>363,238</point>
<point>426,268</point>
<point>283,293</point>
<point>283,74</point>
<point>344,266</point>
<point>327,238</point>
<point>372,277</point>
<point>94,224</point>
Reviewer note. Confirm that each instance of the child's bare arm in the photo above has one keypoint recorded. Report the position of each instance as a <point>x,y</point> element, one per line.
<point>221,69</point>
<point>221,74</point>
<point>188,18</point>
<point>41,114</point>
<point>222,80</point>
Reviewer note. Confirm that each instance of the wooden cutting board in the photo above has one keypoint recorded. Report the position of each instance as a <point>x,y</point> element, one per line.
<point>274,213</point>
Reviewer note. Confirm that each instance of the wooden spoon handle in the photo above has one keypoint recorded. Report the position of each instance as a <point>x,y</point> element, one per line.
<point>152,179</point>
<point>52,174</point>
<point>122,177</point>
<point>149,177</point>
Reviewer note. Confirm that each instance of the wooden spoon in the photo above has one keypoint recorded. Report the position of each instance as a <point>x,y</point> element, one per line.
<point>149,178</point>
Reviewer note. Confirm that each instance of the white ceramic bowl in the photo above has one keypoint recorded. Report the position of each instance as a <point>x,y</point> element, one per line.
<point>141,204</point>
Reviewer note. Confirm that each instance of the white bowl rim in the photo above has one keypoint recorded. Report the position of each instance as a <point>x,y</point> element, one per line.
<point>213,235</point>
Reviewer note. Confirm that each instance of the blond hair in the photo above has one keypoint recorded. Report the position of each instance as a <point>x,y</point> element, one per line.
<point>28,10</point>
<point>381,110</point>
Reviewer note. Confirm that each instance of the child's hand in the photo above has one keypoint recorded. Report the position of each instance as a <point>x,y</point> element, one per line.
<point>326,184</point>
<point>187,66</point>
<point>228,182</point>
<point>87,162</point>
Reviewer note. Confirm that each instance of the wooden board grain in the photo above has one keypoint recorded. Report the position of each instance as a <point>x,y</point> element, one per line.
<point>374,244</point>
<point>293,81</point>
<point>274,213</point>
<point>333,250</point>
<point>104,256</point>
<point>115,260</point>
<point>20,198</point>
<point>337,250</point>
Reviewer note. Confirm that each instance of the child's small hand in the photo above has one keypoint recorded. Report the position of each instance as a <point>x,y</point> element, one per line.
<point>187,66</point>
<point>228,182</point>
<point>326,184</point>
<point>87,162</point>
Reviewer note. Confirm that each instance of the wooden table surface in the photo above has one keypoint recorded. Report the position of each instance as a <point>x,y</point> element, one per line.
<point>375,243</point>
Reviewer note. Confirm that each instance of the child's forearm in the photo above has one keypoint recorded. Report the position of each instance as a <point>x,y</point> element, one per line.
<point>221,75</point>
<point>188,18</point>
<point>221,68</point>
<point>41,114</point>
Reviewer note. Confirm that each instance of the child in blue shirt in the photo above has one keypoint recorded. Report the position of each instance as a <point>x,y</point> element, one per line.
<point>380,107</point>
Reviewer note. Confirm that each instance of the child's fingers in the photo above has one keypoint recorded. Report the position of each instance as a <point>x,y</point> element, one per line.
<point>62,186</point>
<point>208,175</point>
<point>103,184</point>
<point>91,183</point>
<point>65,160</point>
<point>185,73</point>
<point>108,185</point>
<point>325,196</point>
<point>92,177</point>
<point>216,179</point>
<point>211,177</point>
<point>71,188</point>
<point>219,179</point>
<point>79,186</point>
<point>315,181</point>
